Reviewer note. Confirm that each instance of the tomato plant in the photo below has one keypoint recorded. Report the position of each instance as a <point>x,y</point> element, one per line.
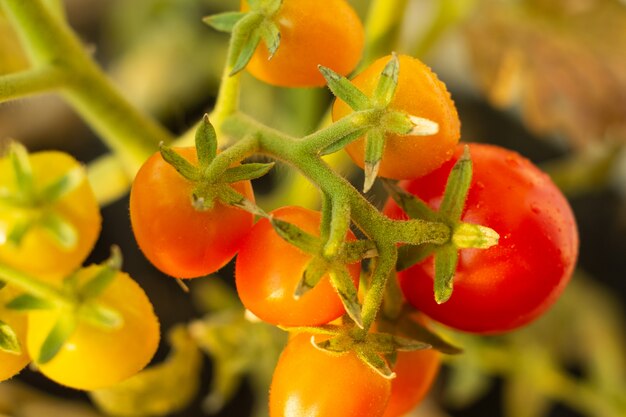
<point>93,357</point>
<point>177,238</point>
<point>419,93</point>
<point>34,208</point>
<point>311,34</point>
<point>510,284</point>
<point>312,383</point>
<point>11,363</point>
<point>269,268</point>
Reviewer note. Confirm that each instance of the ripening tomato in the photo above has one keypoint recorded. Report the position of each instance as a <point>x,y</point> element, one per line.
<point>311,34</point>
<point>269,268</point>
<point>419,93</point>
<point>508,285</point>
<point>312,383</point>
<point>178,239</point>
<point>38,253</point>
<point>93,357</point>
<point>10,363</point>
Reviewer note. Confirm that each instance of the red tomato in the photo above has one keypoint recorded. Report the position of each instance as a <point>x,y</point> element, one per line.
<point>178,239</point>
<point>269,268</point>
<point>310,383</point>
<point>508,285</point>
<point>311,34</point>
<point>419,93</point>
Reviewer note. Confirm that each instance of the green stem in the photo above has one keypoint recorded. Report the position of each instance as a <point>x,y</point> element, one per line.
<point>29,82</point>
<point>385,263</point>
<point>322,139</point>
<point>33,286</point>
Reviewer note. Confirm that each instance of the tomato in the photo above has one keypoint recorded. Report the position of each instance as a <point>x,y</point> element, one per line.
<point>92,357</point>
<point>178,239</point>
<point>39,254</point>
<point>309,382</point>
<point>508,285</point>
<point>311,34</point>
<point>269,268</point>
<point>11,364</point>
<point>419,93</point>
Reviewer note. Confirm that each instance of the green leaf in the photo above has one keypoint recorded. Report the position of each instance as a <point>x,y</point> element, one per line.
<point>159,390</point>
<point>271,36</point>
<point>343,142</point>
<point>101,316</point>
<point>104,277</point>
<point>243,172</point>
<point>341,280</point>
<point>62,232</point>
<point>64,184</point>
<point>9,342</point>
<point>296,236</point>
<point>457,187</point>
<point>22,169</point>
<point>60,333</point>
<point>409,255</point>
<point>410,204</point>
<point>29,302</point>
<point>376,362</point>
<point>314,272</point>
<point>446,259</point>
<point>386,87</point>
<point>343,89</point>
<point>206,142</point>
<point>374,148</point>
<point>224,22</point>
<point>180,164</point>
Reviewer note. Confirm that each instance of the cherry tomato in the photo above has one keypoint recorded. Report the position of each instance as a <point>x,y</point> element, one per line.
<point>311,34</point>
<point>178,239</point>
<point>92,357</point>
<point>269,268</point>
<point>419,93</point>
<point>11,364</point>
<point>508,285</point>
<point>38,253</point>
<point>309,382</point>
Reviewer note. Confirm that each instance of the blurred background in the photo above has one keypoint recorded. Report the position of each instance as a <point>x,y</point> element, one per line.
<point>544,77</point>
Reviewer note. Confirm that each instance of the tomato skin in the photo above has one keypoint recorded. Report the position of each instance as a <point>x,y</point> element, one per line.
<point>37,253</point>
<point>268,270</point>
<point>94,358</point>
<point>179,240</point>
<point>419,93</point>
<point>311,34</point>
<point>309,382</point>
<point>510,284</point>
<point>11,364</point>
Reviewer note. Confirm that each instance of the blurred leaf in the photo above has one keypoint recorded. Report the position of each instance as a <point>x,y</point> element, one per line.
<point>9,342</point>
<point>523,399</point>
<point>467,381</point>
<point>159,390</point>
<point>213,295</point>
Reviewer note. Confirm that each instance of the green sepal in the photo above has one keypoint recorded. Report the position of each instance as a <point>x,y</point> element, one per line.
<point>206,143</point>
<point>343,142</point>
<point>338,344</point>
<point>227,195</point>
<point>25,302</point>
<point>313,274</point>
<point>397,122</point>
<point>271,37</point>
<point>446,259</point>
<point>374,148</point>
<point>457,187</point>
<point>386,343</point>
<point>387,83</point>
<point>100,316</point>
<point>224,22</point>
<point>249,171</point>
<point>62,232</point>
<point>22,169</point>
<point>414,330</point>
<point>60,333</point>
<point>271,6</point>
<point>467,235</point>
<point>296,236</point>
<point>338,227</point>
<point>324,329</point>
<point>63,185</point>
<point>327,216</point>
<point>410,204</point>
<point>358,250</point>
<point>341,280</point>
<point>409,255</point>
<point>180,164</point>
<point>19,229</point>
<point>244,41</point>
<point>343,89</point>
<point>104,277</point>
<point>375,361</point>
<point>9,342</point>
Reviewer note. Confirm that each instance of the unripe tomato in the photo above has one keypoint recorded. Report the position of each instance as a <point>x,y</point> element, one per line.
<point>93,357</point>
<point>419,93</point>
<point>269,268</point>
<point>178,239</point>
<point>11,364</point>
<point>309,382</point>
<point>510,284</point>
<point>312,33</point>
<point>39,254</point>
